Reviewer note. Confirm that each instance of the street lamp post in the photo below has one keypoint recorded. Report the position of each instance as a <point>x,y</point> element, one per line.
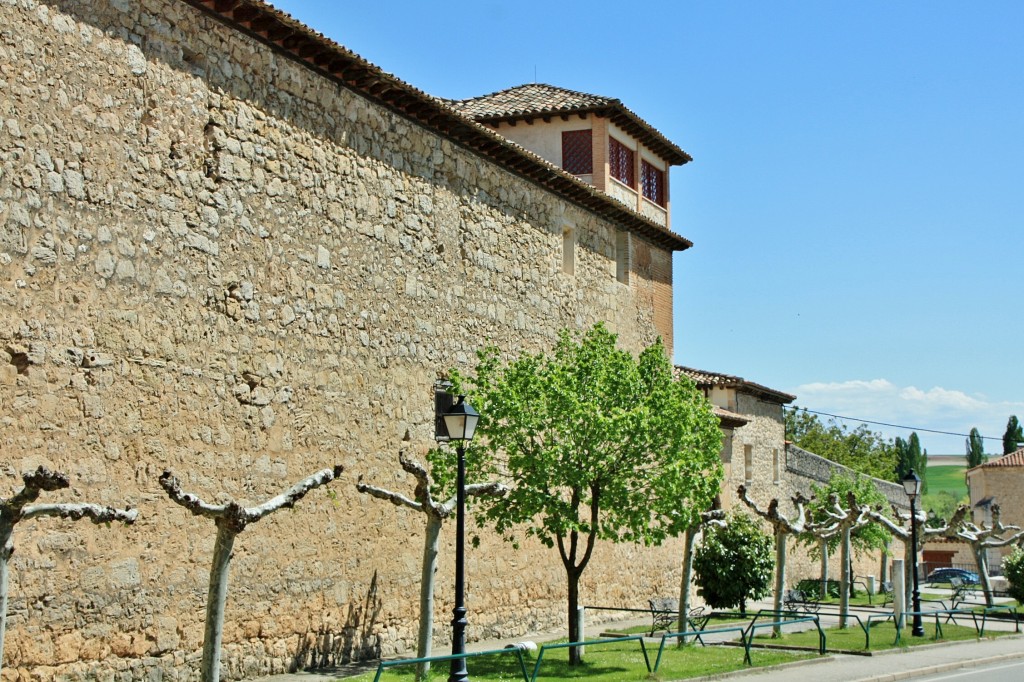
<point>460,421</point>
<point>912,485</point>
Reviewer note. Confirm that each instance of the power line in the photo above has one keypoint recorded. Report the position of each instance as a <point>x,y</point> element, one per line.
<point>895,426</point>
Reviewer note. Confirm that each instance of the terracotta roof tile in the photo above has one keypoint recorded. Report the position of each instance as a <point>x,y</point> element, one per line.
<point>705,379</point>
<point>530,99</point>
<point>1014,459</point>
<point>535,100</point>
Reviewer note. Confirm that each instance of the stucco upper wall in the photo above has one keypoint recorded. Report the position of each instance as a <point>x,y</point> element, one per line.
<point>220,263</point>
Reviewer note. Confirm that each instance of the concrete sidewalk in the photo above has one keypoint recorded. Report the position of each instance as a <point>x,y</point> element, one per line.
<point>896,664</point>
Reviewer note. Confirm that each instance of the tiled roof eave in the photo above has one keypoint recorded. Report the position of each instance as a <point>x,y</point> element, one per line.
<point>619,115</point>
<point>704,379</point>
<point>290,37</point>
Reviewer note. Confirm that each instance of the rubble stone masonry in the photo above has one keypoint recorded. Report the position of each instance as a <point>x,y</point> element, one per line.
<point>216,261</point>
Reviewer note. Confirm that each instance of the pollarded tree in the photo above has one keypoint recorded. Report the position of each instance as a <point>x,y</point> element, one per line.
<point>601,446</point>
<point>984,537</point>
<point>231,519</point>
<point>975,449</point>
<point>1013,438</point>
<point>734,564</point>
<point>19,508</point>
<point>846,517</point>
<point>435,511</point>
<point>783,527</point>
<point>925,533</point>
<point>825,535</point>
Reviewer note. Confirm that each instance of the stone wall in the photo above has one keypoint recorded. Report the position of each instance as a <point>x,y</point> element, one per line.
<point>219,263</point>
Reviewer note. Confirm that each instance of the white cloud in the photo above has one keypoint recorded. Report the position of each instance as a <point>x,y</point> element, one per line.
<point>938,409</point>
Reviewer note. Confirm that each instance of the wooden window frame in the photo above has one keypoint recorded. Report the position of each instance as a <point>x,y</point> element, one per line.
<point>578,151</point>
<point>621,163</point>
<point>652,182</point>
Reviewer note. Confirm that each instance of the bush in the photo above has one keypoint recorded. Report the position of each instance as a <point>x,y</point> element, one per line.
<point>734,564</point>
<point>1013,569</point>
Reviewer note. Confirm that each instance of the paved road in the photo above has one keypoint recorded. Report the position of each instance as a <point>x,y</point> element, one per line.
<point>907,664</point>
<point>999,672</point>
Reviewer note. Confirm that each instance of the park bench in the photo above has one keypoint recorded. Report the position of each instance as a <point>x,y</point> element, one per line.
<point>798,600</point>
<point>665,611</point>
<point>961,592</point>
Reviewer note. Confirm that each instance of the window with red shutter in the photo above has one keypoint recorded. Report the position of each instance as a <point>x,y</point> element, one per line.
<point>620,162</point>
<point>577,152</point>
<point>652,182</point>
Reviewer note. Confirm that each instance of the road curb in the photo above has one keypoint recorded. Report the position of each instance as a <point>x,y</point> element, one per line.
<point>941,668</point>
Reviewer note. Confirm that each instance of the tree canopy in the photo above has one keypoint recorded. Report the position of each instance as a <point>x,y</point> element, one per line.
<point>1014,436</point>
<point>975,449</point>
<point>599,444</point>
<point>734,564</point>
<point>860,449</point>
<point>910,457</point>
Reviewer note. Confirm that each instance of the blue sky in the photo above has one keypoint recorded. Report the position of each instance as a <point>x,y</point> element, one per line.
<point>856,197</point>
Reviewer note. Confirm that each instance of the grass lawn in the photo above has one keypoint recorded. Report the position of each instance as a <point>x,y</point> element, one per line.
<point>615,662</point>
<point>948,477</point>
<point>883,636</point>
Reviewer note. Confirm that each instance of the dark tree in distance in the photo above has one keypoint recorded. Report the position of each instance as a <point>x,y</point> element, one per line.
<point>975,449</point>
<point>1014,436</point>
<point>910,457</point>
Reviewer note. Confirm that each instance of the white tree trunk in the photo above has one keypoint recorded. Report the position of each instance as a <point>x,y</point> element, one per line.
<point>981,559</point>
<point>426,634</point>
<point>5,555</point>
<point>844,583</point>
<point>824,569</point>
<point>216,599</point>
<point>780,577</point>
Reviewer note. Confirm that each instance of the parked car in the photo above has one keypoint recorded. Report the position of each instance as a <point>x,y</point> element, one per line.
<point>942,575</point>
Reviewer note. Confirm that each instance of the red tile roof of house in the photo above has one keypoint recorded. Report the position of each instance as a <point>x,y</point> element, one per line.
<point>1014,459</point>
<point>293,39</point>
<point>539,100</point>
<point>705,379</point>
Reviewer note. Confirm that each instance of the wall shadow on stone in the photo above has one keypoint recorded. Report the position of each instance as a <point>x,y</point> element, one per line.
<point>355,641</point>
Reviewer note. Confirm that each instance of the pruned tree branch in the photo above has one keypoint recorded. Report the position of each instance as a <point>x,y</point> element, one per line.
<point>396,499</point>
<point>234,514</point>
<point>94,512</point>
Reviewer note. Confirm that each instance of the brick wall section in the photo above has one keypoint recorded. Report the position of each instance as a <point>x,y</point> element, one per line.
<point>267,272</point>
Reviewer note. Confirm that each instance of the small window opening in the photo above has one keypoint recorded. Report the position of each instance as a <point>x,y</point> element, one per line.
<point>568,251</point>
<point>622,257</point>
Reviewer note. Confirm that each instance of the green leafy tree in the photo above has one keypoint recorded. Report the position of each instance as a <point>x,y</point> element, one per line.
<point>860,449</point>
<point>601,446</point>
<point>975,449</point>
<point>734,564</point>
<point>1013,570</point>
<point>1013,439</point>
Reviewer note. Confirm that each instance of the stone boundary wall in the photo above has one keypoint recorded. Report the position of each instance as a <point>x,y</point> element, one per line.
<point>219,263</point>
<point>818,470</point>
